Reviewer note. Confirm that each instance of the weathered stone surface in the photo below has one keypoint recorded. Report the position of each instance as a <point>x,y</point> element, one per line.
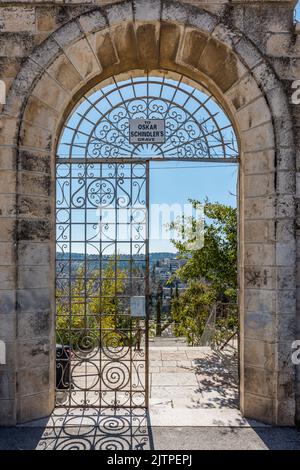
<point>50,55</point>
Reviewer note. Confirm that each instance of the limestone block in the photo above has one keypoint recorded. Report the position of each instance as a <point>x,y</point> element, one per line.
<point>258,138</point>
<point>7,412</point>
<point>258,162</point>
<point>259,381</point>
<point>104,48</point>
<point>262,254</point>
<point>92,21</point>
<point>46,52</point>
<point>147,38</point>
<point>8,181</point>
<point>285,158</point>
<point>35,137</point>
<point>25,78</point>
<point>260,325</point>
<point>285,206</point>
<point>259,185</point>
<point>7,250</point>
<point>286,278</point>
<point>254,114</point>
<point>206,22</point>
<point>248,52</point>
<point>265,76</point>
<point>37,230</point>
<point>286,369</point>
<point>286,413</point>
<point>17,44</point>
<point>7,229</point>
<point>31,277</point>
<point>17,19</point>
<point>33,206</point>
<point>259,207</point>
<point>36,324</point>
<point>64,72</point>
<point>33,380</point>
<point>170,35</point>
<point>171,10</point>
<point>35,406</point>
<point>34,183</point>
<point>259,278</point>
<point>260,300</point>
<point>147,10</point>
<point>33,354</point>
<point>286,326</point>
<point>51,93</point>
<point>192,47</point>
<point>260,408</point>
<point>286,182</point>
<point>7,205</point>
<point>259,231</point>
<point>67,35</point>
<point>8,131</point>
<point>278,44</point>
<point>33,254</point>
<point>39,114</point>
<point>260,354</point>
<point>8,158</point>
<point>83,59</point>
<point>7,302</point>
<point>30,300</point>
<point>221,65</point>
<point>7,277</point>
<point>119,12</point>
<point>286,301</point>
<point>243,92</point>
<point>7,385</point>
<point>8,326</point>
<point>34,161</point>
<point>124,39</point>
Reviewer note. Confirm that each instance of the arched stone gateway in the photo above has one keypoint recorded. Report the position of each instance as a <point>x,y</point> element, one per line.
<point>145,36</point>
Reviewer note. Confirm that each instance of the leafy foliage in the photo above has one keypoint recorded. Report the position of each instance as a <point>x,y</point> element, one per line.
<point>210,272</point>
<point>80,322</point>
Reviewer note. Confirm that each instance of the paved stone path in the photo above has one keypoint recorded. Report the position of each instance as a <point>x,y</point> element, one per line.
<point>193,405</point>
<point>193,386</point>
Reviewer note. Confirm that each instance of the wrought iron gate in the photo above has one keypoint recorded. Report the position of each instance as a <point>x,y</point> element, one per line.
<point>102,282</point>
<point>102,262</point>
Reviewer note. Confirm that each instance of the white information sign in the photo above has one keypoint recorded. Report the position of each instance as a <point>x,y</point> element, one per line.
<point>138,306</point>
<point>146,131</point>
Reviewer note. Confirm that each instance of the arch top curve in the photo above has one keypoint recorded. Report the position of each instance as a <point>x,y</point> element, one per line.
<point>154,116</point>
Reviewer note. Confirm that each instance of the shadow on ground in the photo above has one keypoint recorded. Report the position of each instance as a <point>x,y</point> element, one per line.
<point>83,430</point>
<point>112,436</point>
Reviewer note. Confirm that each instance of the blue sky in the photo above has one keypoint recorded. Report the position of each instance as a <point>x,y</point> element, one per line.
<point>98,127</point>
<point>298,11</point>
<point>176,182</point>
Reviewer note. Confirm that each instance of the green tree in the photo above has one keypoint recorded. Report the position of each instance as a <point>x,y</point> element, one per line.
<point>93,309</point>
<point>210,272</point>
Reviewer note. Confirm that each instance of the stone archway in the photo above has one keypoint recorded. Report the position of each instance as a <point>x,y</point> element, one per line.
<point>143,35</point>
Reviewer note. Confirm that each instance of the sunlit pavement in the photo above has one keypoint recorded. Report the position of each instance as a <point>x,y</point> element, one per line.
<point>193,405</point>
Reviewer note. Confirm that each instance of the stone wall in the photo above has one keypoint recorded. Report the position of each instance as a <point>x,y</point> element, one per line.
<point>247,53</point>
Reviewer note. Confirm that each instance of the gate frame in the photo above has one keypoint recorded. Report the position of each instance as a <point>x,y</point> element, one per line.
<point>143,35</point>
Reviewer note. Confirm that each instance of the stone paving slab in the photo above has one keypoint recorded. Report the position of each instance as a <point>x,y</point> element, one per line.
<point>169,378</point>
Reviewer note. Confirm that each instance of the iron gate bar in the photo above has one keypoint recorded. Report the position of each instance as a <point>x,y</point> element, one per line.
<point>91,161</point>
<point>133,369</point>
<point>103,136</point>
